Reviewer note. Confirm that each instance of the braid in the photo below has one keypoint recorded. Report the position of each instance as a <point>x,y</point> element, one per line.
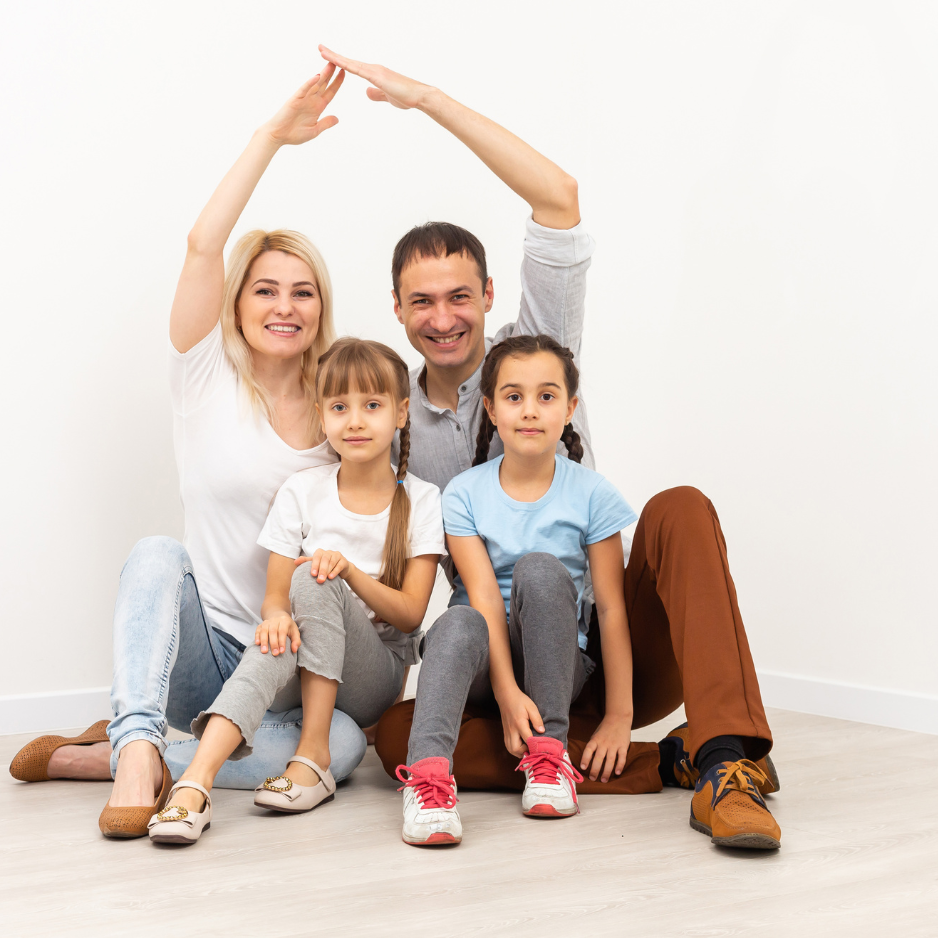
<point>404,450</point>
<point>571,439</point>
<point>484,439</point>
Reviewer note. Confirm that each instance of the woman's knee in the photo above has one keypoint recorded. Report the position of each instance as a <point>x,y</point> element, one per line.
<point>157,556</point>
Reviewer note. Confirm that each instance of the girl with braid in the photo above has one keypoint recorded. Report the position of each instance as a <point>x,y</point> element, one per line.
<point>339,633</point>
<point>522,529</point>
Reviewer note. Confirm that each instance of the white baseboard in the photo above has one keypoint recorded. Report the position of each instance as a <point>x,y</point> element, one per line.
<point>900,710</point>
<point>33,713</point>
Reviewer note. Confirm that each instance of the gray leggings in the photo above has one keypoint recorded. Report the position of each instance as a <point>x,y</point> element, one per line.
<point>338,641</point>
<point>549,666</point>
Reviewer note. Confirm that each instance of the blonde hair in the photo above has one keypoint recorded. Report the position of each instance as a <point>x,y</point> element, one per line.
<point>242,256</point>
<point>373,368</point>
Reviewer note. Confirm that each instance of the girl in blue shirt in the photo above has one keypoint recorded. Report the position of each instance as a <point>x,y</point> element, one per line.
<point>522,530</point>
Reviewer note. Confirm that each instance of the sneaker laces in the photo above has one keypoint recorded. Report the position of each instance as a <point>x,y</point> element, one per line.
<point>545,767</point>
<point>738,776</point>
<point>432,791</point>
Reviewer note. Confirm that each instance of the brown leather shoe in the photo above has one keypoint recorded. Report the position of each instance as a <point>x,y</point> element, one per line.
<point>686,773</point>
<point>31,763</point>
<point>727,806</point>
<point>132,821</point>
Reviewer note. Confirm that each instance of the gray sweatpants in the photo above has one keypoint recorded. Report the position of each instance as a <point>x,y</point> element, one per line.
<point>549,666</point>
<point>338,641</point>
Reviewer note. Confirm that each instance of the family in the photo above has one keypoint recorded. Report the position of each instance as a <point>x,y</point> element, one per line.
<point>324,485</point>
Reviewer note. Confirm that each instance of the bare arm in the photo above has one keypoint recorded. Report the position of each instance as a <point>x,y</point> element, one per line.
<point>551,193</point>
<point>609,744</point>
<point>403,608</point>
<point>519,712</point>
<point>277,625</point>
<point>197,304</point>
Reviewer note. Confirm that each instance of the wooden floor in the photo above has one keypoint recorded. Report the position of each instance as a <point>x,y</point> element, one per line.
<point>859,857</point>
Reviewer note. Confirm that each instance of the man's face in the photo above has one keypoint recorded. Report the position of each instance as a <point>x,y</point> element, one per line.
<point>442,306</point>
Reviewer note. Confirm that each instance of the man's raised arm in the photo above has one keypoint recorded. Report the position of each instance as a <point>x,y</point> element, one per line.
<point>551,193</point>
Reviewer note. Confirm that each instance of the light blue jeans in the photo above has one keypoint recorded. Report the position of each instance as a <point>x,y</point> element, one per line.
<point>170,665</point>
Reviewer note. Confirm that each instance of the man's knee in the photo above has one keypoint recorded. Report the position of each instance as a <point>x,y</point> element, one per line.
<point>461,630</point>
<point>684,501</point>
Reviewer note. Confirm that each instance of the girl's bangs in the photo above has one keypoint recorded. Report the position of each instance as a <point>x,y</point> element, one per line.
<point>359,368</point>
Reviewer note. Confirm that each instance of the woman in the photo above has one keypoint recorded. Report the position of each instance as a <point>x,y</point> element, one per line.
<point>243,366</point>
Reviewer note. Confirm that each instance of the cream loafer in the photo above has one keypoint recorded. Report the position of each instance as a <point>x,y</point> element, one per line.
<point>283,794</point>
<point>177,825</point>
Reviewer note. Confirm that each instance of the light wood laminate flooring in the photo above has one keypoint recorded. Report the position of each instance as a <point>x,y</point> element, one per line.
<point>859,857</point>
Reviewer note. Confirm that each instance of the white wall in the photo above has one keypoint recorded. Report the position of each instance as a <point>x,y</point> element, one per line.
<point>760,180</point>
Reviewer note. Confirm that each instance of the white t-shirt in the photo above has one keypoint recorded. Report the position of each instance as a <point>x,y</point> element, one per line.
<point>231,464</point>
<point>307,515</point>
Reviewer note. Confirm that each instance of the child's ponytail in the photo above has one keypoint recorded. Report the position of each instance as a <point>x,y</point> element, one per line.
<point>394,561</point>
<point>484,439</point>
<point>571,439</point>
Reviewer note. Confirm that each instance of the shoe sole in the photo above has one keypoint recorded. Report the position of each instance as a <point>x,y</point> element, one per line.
<point>773,776</point>
<point>434,840</point>
<point>178,838</point>
<point>268,807</point>
<point>744,841</point>
<point>547,811</point>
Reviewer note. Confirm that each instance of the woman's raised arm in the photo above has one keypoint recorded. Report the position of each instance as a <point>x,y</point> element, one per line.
<point>197,304</point>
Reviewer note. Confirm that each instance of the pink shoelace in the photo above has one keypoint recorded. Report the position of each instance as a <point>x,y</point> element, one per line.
<point>433,791</point>
<point>545,767</point>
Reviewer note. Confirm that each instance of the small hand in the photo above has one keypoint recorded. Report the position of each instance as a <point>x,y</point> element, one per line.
<point>327,565</point>
<point>519,715</point>
<point>273,633</point>
<point>609,745</point>
<point>298,120</point>
<point>396,89</point>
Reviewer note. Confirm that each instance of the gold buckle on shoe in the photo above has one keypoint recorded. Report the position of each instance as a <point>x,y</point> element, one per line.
<point>268,784</point>
<point>181,813</point>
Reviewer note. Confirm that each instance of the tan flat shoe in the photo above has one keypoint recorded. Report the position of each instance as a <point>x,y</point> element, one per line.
<point>178,825</point>
<point>132,821</point>
<point>31,763</point>
<point>283,794</point>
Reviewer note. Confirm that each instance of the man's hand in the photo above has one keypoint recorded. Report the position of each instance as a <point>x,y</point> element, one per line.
<point>607,748</point>
<point>520,720</point>
<point>389,86</point>
<point>327,565</point>
<point>274,632</point>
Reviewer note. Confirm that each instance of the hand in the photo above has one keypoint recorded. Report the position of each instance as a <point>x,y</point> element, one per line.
<point>389,86</point>
<point>519,715</point>
<point>274,632</point>
<point>327,565</point>
<point>298,120</point>
<point>609,745</point>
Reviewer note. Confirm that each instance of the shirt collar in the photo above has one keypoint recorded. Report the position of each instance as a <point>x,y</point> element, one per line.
<point>418,383</point>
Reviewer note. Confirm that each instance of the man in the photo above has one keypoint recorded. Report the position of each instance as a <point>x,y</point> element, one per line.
<point>687,636</point>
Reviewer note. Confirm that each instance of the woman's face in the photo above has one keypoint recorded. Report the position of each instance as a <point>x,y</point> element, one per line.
<point>279,308</point>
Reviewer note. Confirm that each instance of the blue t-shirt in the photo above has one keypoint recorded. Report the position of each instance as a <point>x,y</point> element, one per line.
<point>579,508</point>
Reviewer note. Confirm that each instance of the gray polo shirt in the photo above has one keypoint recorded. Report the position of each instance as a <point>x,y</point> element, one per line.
<point>553,298</point>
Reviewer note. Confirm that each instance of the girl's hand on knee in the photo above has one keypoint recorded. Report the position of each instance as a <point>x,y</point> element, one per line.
<point>274,633</point>
<point>520,720</point>
<point>608,748</point>
<point>327,565</point>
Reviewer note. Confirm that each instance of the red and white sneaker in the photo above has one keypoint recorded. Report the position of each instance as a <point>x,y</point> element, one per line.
<point>550,789</point>
<point>430,815</point>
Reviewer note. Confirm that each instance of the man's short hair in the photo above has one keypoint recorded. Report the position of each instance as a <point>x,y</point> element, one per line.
<point>436,239</point>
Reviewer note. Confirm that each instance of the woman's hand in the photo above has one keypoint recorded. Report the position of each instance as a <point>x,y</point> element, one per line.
<point>396,89</point>
<point>274,632</point>
<point>608,748</point>
<point>520,720</point>
<point>298,120</point>
<point>327,565</point>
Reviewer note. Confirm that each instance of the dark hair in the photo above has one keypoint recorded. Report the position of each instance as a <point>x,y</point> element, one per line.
<point>373,368</point>
<point>436,239</point>
<point>522,346</point>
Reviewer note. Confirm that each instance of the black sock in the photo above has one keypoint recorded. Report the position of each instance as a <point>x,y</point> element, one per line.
<point>667,754</point>
<point>717,750</point>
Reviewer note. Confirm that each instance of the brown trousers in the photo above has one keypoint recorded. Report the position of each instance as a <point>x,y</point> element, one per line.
<point>688,645</point>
